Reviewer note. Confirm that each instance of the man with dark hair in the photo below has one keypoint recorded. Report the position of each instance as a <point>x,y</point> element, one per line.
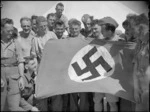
<point>87,30</point>
<point>51,18</point>
<point>59,10</point>
<point>33,23</point>
<point>59,29</point>
<point>96,29</point>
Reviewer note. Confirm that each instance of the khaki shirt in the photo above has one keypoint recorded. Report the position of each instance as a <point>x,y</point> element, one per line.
<point>11,50</point>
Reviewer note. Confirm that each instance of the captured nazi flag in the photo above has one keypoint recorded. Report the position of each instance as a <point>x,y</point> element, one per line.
<point>86,65</point>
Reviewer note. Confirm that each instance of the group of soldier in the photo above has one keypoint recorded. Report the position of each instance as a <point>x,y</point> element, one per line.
<point>21,53</point>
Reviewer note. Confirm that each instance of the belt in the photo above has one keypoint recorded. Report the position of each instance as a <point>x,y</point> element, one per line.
<point>9,65</point>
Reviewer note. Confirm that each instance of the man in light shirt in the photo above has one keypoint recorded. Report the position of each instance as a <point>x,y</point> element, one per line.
<point>43,35</point>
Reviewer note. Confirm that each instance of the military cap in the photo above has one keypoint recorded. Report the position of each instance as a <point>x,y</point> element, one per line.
<point>85,17</point>
<point>109,20</point>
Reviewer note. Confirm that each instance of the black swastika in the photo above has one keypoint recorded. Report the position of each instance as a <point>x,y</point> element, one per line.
<point>91,66</point>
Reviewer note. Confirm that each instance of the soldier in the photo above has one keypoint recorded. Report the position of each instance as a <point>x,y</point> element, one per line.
<point>140,30</point>
<point>108,26</point>
<point>87,30</point>
<point>43,35</point>
<point>60,16</point>
<point>25,39</point>
<point>12,70</point>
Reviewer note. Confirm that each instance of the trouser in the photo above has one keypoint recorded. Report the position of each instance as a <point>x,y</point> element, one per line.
<point>56,103</point>
<point>79,102</point>
<point>98,100</point>
<point>12,92</point>
<point>42,104</point>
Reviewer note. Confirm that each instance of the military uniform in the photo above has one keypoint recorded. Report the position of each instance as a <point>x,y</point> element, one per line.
<point>141,62</point>
<point>10,57</point>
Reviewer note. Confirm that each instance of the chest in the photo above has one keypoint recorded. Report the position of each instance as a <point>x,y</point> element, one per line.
<point>8,50</point>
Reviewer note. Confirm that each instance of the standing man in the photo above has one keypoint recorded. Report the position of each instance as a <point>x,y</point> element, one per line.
<point>59,102</point>
<point>51,18</point>
<point>59,10</point>
<point>12,72</point>
<point>75,27</point>
<point>25,39</point>
<point>108,30</point>
<point>43,35</point>
<point>87,30</point>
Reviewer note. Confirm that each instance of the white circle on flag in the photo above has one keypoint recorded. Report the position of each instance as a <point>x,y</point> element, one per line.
<point>101,51</point>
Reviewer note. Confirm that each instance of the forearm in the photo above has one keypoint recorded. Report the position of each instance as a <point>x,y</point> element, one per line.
<point>21,69</point>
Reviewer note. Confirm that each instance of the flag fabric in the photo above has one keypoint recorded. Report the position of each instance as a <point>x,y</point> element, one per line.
<point>86,65</point>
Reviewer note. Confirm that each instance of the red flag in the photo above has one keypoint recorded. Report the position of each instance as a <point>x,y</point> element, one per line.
<point>86,65</point>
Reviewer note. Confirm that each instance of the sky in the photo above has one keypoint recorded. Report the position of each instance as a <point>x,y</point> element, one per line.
<point>17,9</point>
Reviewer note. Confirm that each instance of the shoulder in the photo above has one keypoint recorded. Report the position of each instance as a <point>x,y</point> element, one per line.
<point>51,34</point>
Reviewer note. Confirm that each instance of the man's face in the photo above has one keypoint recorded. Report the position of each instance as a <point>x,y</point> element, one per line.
<point>51,20</point>
<point>59,10</point>
<point>42,27</point>
<point>96,29</point>
<point>59,30</point>
<point>34,27</point>
<point>7,31</point>
<point>75,30</point>
<point>87,24</point>
<point>26,26</point>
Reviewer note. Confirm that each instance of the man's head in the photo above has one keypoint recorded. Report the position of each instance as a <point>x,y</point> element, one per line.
<point>74,27</point>
<point>33,22</point>
<point>109,26</point>
<point>96,28</point>
<point>41,24</point>
<point>25,24</point>
<point>59,9</point>
<point>87,19</point>
<point>135,24</point>
<point>51,18</point>
<point>7,28</point>
<point>59,28</point>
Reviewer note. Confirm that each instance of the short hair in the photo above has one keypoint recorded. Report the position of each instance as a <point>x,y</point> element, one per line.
<point>135,20</point>
<point>74,22</point>
<point>95,22</point>
<point>25,18</point>
<point>110,27</point>
<point>50,14</point>
<point>60,4</point>
<point>6,21</point>
<point>34,17</point>
<point>59,22</point>
<point>41,19</point>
